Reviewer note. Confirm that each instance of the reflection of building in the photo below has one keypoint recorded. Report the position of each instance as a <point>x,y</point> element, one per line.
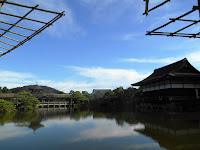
<point>103,91</point>
<point>177,81</point>
<point>172,132</point>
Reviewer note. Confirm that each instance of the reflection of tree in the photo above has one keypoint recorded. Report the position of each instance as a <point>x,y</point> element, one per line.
<point>30,119</point>
<point>6,117</point>
<point>172,131</point>
<point>80,114</point>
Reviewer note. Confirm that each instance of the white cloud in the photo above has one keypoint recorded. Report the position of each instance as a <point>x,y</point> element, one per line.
<point>144,60</point>
<point>12,79</point>
<point>110,78</point>
<point>87,79</point>
<point>193,57</point>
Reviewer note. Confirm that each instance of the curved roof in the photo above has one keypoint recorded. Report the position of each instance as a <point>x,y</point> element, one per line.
<point>181,68</point>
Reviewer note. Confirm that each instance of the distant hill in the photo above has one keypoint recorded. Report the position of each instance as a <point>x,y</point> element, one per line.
<point>46,89</point>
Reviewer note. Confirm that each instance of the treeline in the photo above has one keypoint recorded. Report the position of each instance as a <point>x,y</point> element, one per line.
<point>5,90</point>
<point>119,95</point>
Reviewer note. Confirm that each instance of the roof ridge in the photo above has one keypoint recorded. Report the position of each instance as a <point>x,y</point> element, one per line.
<point>182,60</point>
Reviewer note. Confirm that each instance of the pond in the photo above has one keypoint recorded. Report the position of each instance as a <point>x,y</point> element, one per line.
<point>89,130</point>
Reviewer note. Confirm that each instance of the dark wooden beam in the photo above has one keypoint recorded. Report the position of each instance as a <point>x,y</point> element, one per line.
<point>19,20</point>
<point>147,3</point>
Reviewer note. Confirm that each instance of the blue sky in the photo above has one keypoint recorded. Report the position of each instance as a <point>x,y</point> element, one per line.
<point>98,44</point>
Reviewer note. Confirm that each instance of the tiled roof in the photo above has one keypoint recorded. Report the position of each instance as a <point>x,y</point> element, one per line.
<point>180,68</point>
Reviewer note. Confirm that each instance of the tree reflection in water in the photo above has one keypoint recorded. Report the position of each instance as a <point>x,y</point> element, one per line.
<point>170,131</point>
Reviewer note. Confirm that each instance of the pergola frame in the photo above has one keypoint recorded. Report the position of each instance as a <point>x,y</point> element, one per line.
<point>173,20</point>
<point>21,18</point>
<point>147,10</point>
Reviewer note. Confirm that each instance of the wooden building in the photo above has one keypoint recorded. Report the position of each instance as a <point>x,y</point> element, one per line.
<point>103,91</point>
<point>177,81</point>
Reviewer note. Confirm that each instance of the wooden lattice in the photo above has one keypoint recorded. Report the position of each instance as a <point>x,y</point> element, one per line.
<point>18,42</point>
<point>177,33</point>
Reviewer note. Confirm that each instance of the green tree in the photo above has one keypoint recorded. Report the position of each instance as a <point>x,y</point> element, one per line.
<point>5,90</point>
<point>98,95</point>
<point>0,89</point>
<point>27,100</point>
<point>119,91</point>
<point>80,96</point>
<point>90,96</point>
<point>80,99</point>
<point>71,92</point>
<point>111,93</point>
<point>6,106</point>
<point>61,92</point>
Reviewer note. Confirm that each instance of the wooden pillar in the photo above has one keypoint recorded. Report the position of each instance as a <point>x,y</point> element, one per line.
<point>197,93</point>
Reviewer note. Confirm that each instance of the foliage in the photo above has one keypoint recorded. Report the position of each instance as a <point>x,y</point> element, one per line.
<point>61,92</point>
<point>6,90</point>
<point>71,92</point>
<point>80,96</point>
<point>98,95</point>
<point>46,89</point>
<point>111,93</point>
<point>85,92</point>
<point>90,96</point>
<point>119,91</point>
<point>28,102</point>
<point>6,106</point>
<point>6,117</point>
<point>80,99</point>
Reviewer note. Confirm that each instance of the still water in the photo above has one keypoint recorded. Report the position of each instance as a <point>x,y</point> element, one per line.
<point>87,130</point>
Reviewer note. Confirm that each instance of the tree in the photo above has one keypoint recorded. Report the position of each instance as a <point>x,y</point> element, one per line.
<point>80,99</point>
<point>98,95</point>
<point>80,96</point>
<point>85,92</point>
<point>119,91</point>
<point>27,100</point>
<point>0,89</point>
<point>71,92</point>
<point>5,90</point>
<point>61,92</point>
<point>111,93</point>
<point>6,106</point>
<point>90,96</point>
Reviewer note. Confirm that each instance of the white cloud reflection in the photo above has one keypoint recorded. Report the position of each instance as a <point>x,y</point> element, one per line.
<point>145,146</point>
<point>10,131</point>
<point>104,129</point>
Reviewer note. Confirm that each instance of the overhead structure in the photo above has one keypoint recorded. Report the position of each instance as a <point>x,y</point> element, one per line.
<point>1,3</point>
<point>147,9</point>
<point>13,35</point>
<point>177,33</point>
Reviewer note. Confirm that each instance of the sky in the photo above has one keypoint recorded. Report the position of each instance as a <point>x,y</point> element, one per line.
<point>97,44</point>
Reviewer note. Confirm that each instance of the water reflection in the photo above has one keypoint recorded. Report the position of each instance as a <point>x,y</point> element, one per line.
<point>97,130</point>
